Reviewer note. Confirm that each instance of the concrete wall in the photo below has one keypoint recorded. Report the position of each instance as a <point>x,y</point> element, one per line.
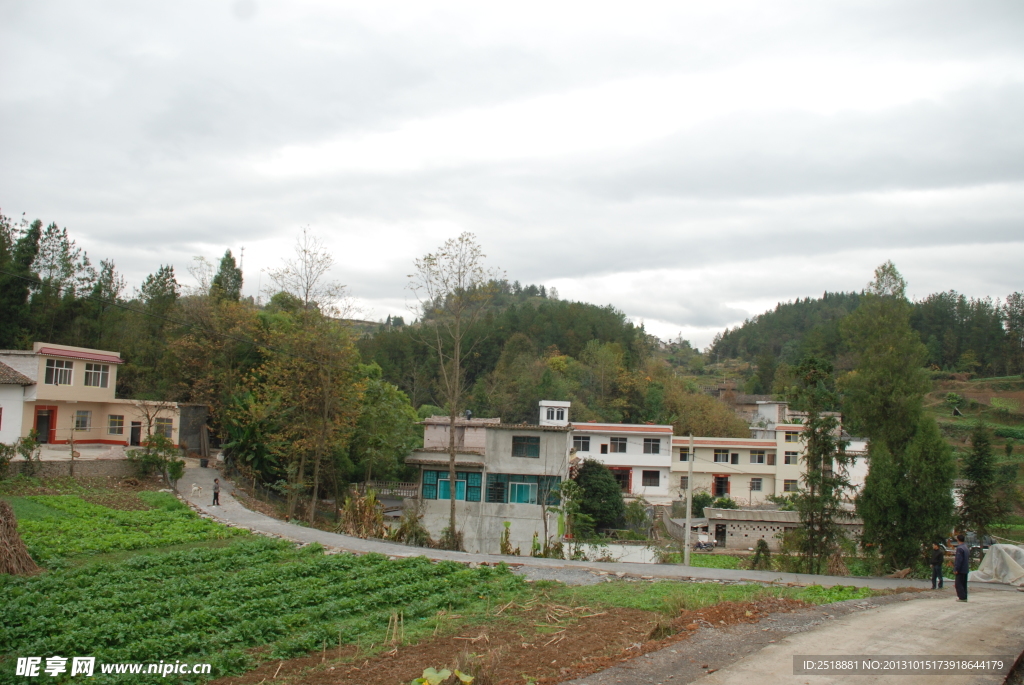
<point>12,403</point>
<point>482,524</point>
<point>744,534</point>
<point>554,452</point>
<point>118,468</point>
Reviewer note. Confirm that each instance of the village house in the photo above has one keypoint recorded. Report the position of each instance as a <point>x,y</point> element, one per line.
<point>638,455</point>
<point>504,473</point>
<point>63,392</point>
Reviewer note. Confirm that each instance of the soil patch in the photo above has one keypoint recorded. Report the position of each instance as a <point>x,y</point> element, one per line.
<point>109,491</point>
<point>546,643</point>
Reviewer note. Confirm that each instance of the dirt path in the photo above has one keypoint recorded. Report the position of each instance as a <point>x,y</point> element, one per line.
<point>231,511</point>
<point>990,624</point>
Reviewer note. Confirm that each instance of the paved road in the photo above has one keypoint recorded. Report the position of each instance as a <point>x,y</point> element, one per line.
<point>232,511</point>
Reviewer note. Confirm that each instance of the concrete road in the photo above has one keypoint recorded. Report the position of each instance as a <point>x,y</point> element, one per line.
<point>231,511</point>
<point>989,624</point>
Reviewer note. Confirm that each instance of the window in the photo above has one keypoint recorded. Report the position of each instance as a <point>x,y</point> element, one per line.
<point>83,420</point>
<point>505,488</point>
<point>684,454</point>
<point>756,456</point>
<point>522,493</point>
<point>652,446</point>
<point>735,457</point>
<point>164,427</point>
<point>792,436</point>
<point>437,485</point>
<point>58,372</point>
<point>115,424</point>
<point>755,485</point>
<point>791,457</point>
<point>624,477</point>
<point>444,489</point>
<point>604,449</point>
<point>684,482</point>
<point>97,375</point>
<point>556,414</point>
<point>525,446</point>
<point>721,456</point>
<point>789,486</point>
<point>581,443</point>
<point>618,445</point>
<point>651,479</point>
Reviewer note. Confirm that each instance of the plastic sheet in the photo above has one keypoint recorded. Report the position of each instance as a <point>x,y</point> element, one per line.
<point>1001,564</point>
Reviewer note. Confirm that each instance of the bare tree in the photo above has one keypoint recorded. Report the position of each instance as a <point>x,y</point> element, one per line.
<point>453,289</point>
<point>305,277</point>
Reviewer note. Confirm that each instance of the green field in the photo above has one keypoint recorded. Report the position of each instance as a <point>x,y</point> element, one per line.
<point>213,605</point>
<point>60,526</point>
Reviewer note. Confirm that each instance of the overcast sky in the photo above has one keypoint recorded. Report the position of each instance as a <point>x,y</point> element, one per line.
<point>691,163</point>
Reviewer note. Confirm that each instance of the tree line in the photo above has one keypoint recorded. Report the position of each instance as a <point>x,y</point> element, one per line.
<point>960,334</point>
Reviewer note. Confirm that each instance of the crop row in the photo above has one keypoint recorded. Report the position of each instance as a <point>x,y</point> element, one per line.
<point>86,528</point>
<point>214,604</point>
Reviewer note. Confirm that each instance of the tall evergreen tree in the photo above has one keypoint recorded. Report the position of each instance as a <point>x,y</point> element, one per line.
<point>979,504</point>
<point>227,284</point>
<point>907,496</point>
<point>825,479</point>
<point>15,285</point>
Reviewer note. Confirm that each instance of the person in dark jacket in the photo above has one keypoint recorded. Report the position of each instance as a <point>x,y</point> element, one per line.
<point>938,557</point>
<point>216,492</point>
<point>961,567</point>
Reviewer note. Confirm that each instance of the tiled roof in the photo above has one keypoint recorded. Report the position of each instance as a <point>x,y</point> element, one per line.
<point>78,354</point>
<point>9,376</point>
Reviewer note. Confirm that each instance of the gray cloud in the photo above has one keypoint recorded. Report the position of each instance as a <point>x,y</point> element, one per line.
<point>146,130</point>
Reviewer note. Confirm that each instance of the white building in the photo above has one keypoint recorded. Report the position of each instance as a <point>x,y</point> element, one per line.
<point>13,385</point>
<point>69,394</point>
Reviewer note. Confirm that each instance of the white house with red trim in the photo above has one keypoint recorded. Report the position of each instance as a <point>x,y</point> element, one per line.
<point>68,392</point>
<point>746,470</point>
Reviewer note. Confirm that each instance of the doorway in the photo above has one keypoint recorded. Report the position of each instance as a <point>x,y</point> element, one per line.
<point>43,421</point>
<point>721,486</point>
<point>135,436</point>
<point>720,535</point>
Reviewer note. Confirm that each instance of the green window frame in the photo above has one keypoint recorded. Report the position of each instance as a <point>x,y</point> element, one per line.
<point>526,446</point>
<point>437,485</point>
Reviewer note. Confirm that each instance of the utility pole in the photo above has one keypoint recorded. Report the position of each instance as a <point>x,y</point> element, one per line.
<point>689,503</point>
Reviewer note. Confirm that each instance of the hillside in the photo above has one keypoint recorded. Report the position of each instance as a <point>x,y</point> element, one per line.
<point>962,334</point>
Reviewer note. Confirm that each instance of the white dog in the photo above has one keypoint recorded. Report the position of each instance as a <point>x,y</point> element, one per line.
<point>196,490</point>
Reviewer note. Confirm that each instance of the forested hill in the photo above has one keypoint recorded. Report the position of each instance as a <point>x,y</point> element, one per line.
<point>961,334</point>
<point>531,346</point>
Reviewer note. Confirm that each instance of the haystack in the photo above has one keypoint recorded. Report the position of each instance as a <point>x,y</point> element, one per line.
<point>14,558</point>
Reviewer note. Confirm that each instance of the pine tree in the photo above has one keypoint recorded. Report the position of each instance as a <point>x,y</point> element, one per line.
<point>979,505</point>
<point>15,284</point>
<point>227,284</point>
<point>907,496</point>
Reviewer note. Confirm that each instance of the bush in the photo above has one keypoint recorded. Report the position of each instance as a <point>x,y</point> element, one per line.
<point>725,503</point>
<point>701,499</point>
<point>602,496</point>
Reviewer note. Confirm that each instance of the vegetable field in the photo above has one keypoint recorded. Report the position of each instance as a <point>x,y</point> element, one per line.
<point>214,605</point>
<point>64,526</point>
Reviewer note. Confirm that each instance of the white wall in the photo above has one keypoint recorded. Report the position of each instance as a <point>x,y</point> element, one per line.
<point>12,401</point>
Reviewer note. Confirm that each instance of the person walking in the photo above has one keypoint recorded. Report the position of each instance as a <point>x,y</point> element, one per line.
<point>961,567</point>
<point>938,557</point>
<point>216,492</point>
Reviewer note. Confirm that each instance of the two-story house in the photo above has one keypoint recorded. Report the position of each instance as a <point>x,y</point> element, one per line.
<point>69,392</point>
<point>638,455</point>
<point>504,473</point>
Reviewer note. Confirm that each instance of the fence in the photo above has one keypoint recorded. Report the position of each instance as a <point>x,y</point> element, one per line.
<point>388,487</point>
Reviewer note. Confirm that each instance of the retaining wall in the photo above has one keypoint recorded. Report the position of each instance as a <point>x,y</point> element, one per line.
<point>118,468</point>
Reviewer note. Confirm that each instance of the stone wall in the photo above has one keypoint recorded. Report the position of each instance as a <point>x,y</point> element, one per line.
<point>91,468</point>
